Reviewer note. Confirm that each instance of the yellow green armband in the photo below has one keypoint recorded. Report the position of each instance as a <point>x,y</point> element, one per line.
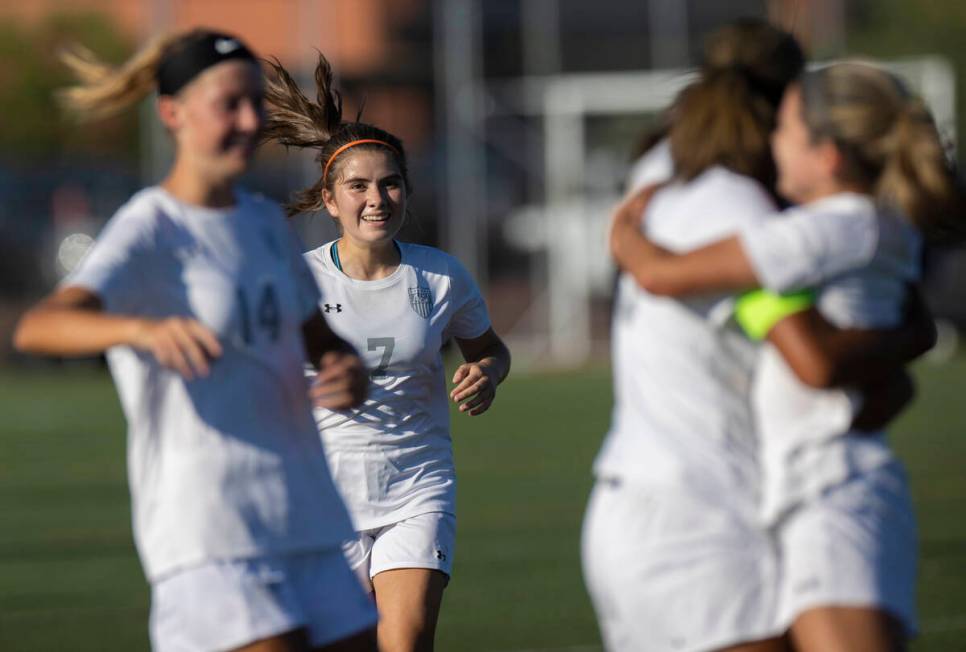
<point>758,311</point>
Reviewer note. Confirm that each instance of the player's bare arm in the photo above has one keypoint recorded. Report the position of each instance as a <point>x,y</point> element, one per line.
<point>71,322</point>
<point>822,355</point>
<point>487,365</point>
<point>718,267</point>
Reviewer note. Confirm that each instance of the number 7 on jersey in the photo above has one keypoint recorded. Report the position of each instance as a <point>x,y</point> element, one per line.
<point>387,344</point>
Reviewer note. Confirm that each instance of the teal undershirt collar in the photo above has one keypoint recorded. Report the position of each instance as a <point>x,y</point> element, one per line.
<point>335,255</point>
<point>334,250</point>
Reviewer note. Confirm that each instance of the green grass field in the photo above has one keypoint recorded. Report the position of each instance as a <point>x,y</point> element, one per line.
<point>69,577</point>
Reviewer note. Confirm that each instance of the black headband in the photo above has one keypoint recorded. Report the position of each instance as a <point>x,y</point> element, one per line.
<point>181,66</point>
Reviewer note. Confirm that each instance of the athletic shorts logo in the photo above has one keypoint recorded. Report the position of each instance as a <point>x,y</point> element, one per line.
<point>421,301</point>
<point>329,307</point>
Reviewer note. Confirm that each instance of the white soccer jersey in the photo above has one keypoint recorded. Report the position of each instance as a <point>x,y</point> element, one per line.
<point>227,466</point>
<point>681,414</point>
<point>655,166</point>
<point>392,458</point>
<point>860,259</point>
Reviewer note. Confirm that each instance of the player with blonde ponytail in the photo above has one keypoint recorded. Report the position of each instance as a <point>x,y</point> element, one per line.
<point>197,292</point>
<point>861,157</point>
<point>888,144</point>
<point>398,303</point>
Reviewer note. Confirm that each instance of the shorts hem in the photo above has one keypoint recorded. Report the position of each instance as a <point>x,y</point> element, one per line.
<point>723,641</point>
<point>270,632</point>
<point>424,565</point>
<point>253,635</point>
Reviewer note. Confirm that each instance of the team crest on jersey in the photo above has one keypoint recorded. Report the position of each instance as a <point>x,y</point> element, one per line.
<point>421,300</point>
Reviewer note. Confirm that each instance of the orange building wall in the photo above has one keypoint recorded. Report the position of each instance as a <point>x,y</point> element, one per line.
<point>352,33</point>
<point>130,15</point>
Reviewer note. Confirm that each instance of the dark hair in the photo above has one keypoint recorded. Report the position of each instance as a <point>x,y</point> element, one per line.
<point>726,117</point>
<point>296,121</point>
<point>769,57</point>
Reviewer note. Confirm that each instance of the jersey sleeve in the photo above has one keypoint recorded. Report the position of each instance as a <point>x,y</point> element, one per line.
<point>654,166</point>
<point>805,249</point>
<point>116,268</point>
<point>757,206</point>
<point>470,317</point>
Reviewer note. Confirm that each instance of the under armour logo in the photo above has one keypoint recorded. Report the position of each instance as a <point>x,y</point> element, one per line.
<point>440,555</point>
<point>329,308</point>
<point>226,45</point>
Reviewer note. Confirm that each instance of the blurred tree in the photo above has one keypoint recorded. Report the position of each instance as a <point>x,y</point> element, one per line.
<point>33,127</point>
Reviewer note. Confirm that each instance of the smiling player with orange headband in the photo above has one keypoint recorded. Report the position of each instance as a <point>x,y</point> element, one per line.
<point>397,303</point>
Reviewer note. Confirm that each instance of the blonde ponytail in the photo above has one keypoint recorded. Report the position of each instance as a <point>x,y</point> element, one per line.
<point>105,90</point>
<point>888,141</point>
<point>917,177</point>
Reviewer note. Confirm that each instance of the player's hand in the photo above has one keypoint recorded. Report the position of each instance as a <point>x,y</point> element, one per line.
<point>179,343</point>
<point>341,382</point>
<point>475,387</point>
<point>627,215</point>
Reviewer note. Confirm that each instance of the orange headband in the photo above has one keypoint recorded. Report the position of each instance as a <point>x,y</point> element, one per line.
<point>328,164</point>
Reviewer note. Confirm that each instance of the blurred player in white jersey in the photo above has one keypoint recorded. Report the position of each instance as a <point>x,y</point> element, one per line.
<point>199,295</point>
<point>398,303</point>
<point>862,157</point>
<point>673,556</point>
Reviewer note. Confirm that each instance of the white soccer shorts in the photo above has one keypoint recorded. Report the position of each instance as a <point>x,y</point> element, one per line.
<point>855,546</point>
<point>671,570</point>
<point>228,604</point>
<point>423,541</point>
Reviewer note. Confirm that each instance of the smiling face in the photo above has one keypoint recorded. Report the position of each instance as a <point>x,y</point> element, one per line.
<point>215,119</point>
<point>368,197</point>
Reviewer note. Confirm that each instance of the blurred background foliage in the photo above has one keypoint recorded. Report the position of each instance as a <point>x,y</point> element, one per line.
<point>33,128</point>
